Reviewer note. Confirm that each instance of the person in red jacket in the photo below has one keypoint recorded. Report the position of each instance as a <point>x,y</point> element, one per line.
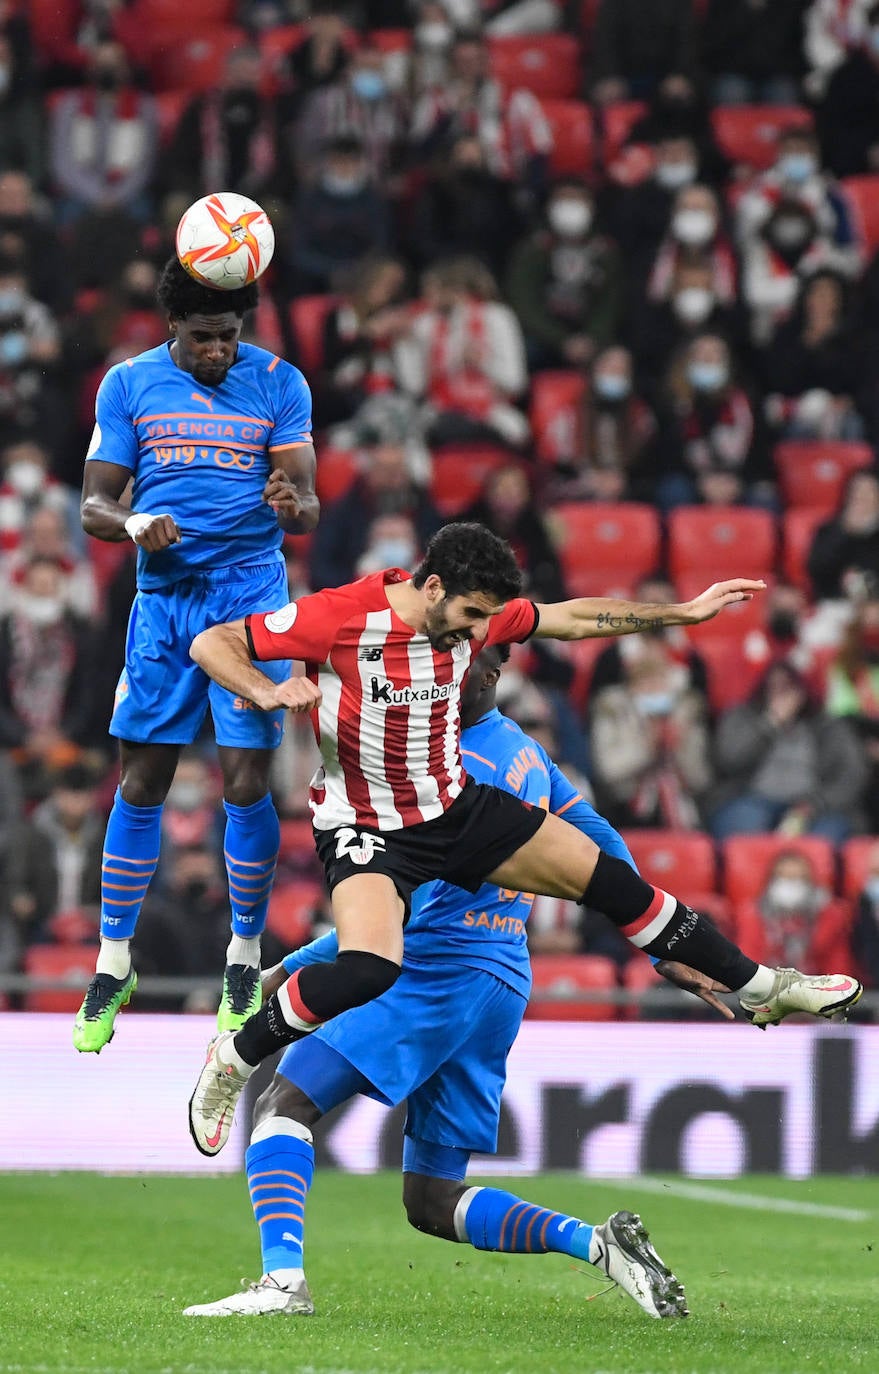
<point>795,921</point>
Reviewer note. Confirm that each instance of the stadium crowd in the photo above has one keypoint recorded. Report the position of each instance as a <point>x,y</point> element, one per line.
<point>601,275</point>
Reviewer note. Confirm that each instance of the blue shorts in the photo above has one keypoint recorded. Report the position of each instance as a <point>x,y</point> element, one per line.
<point>439,1039</point>
<point>162,696</point>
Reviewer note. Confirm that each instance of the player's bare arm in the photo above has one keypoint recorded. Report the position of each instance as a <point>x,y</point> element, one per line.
<point>599,617</point>
<point>105,515</point>
<point>224,654</point>
<point>290,489</point>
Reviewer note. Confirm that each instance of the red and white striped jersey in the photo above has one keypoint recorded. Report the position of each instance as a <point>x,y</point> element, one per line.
<point>389,721</point>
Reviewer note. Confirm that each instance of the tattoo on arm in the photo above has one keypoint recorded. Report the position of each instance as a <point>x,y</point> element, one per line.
<point>633,623</point>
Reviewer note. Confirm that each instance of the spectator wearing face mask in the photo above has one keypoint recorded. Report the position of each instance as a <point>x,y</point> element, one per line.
<point>193,814</point>
<point>610,437</point>
<point>26,487</point>
<point>507,505</point>
<point>848,116</point>
<point>464,208</point>
<point>695,228</point>
<point>795,923</point>
<point>784,764</point>
<point>865,925</point>
<point>226,137</point>
<point>844,557</point>
<point>852,693</point>
<point>46,536</point>
<point>358,338</point>
<point>564,282</point>
<point>424,67</point>
<point>30,348</point>
<point>752,51</point>
<point>638,215</point>
<point>814,364</point>
<point>392,542</point>
<point>661,329</point>
<point>710,446</point>
<point>336,221</point>
<point>358,105</point>
<point>609,670</point>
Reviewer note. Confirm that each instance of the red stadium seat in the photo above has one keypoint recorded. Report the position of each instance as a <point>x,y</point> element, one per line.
<point>748,858</point>
<point>199,13</point>
<point>297,836</point>
<point>735,622</point>
<point>307,317</point>
<point>720,542</point>
<point>459,473</point>
<point>582,653</point>
<point>857,857</point>
<point>680,861</point>
<point>573,136</point>
<point>71,964</point>
<point>335,472</point>
<point>194,62</point>
<point>606,546</point>
<point>813,472</point>
<point>548,65</point>
<point>291,911</point>
<point>732,673</point>
<point>797,532</point>
<point>639,976</point>
<point>617,120</point>
<point>169,108</point>
<point>557,978</point>
<point>556,406</point>
<point>391,40</point>
<point>863,196</point>
<point>749,133</point>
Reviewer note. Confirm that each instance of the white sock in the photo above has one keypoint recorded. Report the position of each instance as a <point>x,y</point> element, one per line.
<point>114,957</point>
<point>243,949</point>
<point>231,1056</point>
<point>760,985</point>
<point>287,1278</point>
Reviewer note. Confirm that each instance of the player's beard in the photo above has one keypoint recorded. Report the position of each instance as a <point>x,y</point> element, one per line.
<point>436,627</point>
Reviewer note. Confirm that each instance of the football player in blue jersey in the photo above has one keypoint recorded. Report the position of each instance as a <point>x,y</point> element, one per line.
<point>214,436</point>
<point>440,1040</point>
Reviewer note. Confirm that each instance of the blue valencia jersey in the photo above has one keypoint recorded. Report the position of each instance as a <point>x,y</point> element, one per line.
<point>202,455</point>
<point>486,929</point>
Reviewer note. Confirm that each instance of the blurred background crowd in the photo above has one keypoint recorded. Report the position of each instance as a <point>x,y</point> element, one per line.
<point>602,274</point>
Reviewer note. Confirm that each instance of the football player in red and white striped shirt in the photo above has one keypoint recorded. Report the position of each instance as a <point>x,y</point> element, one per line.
<point>392,804</point>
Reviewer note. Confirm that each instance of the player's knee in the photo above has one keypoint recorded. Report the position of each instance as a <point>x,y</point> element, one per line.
<point>366,975</point>
<point>430,1204</point>
<point>283,1098</point>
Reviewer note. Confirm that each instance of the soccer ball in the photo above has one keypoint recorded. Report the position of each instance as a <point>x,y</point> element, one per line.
<point>225,240</point>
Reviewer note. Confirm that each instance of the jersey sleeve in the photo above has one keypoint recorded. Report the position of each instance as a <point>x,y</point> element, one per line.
<point>114,439</point>
<point>293,409</point>
<point>305,629</point>
<point>514,624</point>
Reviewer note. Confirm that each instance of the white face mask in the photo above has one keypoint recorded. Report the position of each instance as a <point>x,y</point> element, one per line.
<point>40,610</point>
<point>673,175</point>
<point>570,218</point>
<point>694,226</point>
<point>393,553</point>
<point>26,477</point>
<point>433,35</point>
<point>186,796</point>
<point>789,894</point>
<point>694,304</point>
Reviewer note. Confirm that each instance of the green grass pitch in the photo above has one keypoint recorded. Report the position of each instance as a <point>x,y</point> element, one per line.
<point>94,1273</point>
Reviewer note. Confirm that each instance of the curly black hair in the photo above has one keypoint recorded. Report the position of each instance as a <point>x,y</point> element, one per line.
<point>468,557</point>
<point>180,295</point>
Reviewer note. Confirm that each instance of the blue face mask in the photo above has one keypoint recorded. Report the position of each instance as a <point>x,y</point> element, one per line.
<point>611,386</point>
<point>707,376</point>
<point>368,85</point>
<point>797,167</point>
<point>655,703</point>
<point>871,888</point>
<point>11,300</point>
<point>13,348</point>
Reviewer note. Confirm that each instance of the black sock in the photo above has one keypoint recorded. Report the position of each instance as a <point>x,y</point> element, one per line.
<point>264,1033</point>
<point>658,923</point>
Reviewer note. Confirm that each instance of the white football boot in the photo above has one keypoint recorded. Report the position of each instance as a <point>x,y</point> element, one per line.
<point>829,995</point>
<point>621,1249</point>
<point>212,1105</point>
<point>263,1299</point>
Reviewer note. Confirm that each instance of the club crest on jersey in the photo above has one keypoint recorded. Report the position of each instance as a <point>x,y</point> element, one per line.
<point>405,696</point>
<point>280,621</point>
<point>360,849</point>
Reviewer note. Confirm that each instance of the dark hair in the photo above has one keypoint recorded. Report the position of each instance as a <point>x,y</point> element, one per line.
<point>181,295</point>
<point>468,557</point>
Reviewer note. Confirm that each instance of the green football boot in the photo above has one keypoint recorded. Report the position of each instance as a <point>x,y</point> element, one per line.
<point>242,996</point>
<point>93,1027</point>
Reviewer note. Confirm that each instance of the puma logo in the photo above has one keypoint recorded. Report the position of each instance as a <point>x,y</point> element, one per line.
<point>205,400</point>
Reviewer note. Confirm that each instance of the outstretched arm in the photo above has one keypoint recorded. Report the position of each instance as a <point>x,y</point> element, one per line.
<point>599,617</point>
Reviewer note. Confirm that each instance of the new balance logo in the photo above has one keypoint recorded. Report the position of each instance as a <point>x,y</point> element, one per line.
<point>404,696</point>
<point>370,655</point>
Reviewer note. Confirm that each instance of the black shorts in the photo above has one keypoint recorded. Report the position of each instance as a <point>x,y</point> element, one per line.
<point>482,828</point>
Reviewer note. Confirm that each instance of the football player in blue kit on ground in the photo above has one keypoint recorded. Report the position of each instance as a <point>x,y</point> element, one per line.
<point>215,436</point>
<point>440,1040</point>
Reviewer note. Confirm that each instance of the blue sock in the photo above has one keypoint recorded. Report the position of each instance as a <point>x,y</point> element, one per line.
<point>279,1173</point>
<point>253,838</point>
<point>131,852</point>
<point>501,1221</point>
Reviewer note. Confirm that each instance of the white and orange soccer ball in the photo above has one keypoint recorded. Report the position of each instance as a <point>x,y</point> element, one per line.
<point>225,240</point>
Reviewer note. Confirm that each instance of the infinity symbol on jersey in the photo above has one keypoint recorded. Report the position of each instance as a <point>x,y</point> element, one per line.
<point>226,458</point>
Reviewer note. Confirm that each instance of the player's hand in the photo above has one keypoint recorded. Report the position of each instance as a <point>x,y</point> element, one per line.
<point>691,980</point>
<point>272,979</point>
<point>159,532</point>
<point>281,495</point>
<point>297,694</point>
<point>711,602</point>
